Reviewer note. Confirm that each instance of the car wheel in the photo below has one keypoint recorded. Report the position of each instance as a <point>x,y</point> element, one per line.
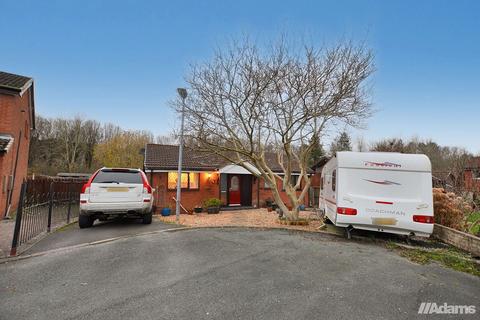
<point>147,218</point>
<point>85,221</point>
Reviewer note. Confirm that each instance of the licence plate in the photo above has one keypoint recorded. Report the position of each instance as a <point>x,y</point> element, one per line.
<point>117,189</point>
<point>384,221</point>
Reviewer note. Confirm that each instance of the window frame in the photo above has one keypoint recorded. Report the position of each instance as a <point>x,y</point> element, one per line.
<point>334,180</point>
<point>188,180</point>
<point>476,173</point>
<point>266,186</point>
<point>296,180</point>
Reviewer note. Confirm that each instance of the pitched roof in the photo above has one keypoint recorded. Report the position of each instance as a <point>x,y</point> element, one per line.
<point>14,82</point>
<point>473,163</point>
<point>165,157</point>
<point>6,142</point>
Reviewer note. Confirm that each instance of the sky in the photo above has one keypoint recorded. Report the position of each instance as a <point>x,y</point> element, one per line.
<point>121,61</point>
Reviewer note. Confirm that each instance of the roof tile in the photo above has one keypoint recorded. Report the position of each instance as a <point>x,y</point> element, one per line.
<point>165,157</point>
<point>12,81</point>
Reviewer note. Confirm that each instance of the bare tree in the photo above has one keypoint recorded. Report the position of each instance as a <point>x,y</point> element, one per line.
<point>92,134</point>
<point>448,163</point>
<point>69,134</point>
<point>361,144</point>
<point>247,101</point>
<point>170,138</point>
<point>110,130</point>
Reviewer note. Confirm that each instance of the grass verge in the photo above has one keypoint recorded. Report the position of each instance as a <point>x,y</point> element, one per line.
<point>474,222</point>
<point>448,257</point>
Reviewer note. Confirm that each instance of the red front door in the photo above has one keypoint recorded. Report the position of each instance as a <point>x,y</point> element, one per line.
<point>234,191</point>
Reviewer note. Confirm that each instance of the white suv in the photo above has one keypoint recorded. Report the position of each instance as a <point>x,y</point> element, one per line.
<point>115,192</point>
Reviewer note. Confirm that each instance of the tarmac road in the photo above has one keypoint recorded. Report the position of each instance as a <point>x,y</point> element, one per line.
<point>228,274</point>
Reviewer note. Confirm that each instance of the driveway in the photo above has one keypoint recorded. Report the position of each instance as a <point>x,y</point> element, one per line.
<point>72,235</point>
<point>228,274</point>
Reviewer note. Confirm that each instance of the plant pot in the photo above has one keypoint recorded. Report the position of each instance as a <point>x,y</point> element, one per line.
<point>166,212</point>
<point>213,210</point>
<point>197,209</point>
<point>302,207</point>
<point>269,209</point>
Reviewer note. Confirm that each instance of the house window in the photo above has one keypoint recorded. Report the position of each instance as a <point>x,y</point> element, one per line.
<point>293,181</point>
<point>476,174</point>
<point>334,180</point>
<point>265,184</point>
<point>193,180</point>
<point>189,180</point>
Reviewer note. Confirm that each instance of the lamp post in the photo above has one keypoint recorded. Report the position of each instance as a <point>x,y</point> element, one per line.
<point>182,92</point>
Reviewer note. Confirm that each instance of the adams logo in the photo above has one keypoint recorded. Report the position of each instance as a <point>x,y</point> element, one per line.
<point>382,164</point>
<point>433,308</point>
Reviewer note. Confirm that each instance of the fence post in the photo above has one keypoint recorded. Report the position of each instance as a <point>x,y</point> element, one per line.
<point>18,220</point>
<point>69,204</point>
<point>50,207</point>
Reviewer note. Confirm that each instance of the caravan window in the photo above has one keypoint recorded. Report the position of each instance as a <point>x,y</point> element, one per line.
<point>334,179</point>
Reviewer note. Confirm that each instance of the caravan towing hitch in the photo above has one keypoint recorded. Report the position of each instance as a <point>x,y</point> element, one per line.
<point>348,232</point>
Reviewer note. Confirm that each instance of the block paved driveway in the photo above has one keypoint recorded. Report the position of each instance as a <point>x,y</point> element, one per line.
<point>228,274</point>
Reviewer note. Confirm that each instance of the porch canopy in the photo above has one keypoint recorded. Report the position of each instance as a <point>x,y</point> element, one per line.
<point>237,169</point>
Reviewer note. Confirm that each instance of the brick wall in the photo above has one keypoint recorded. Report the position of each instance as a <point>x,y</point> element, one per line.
<point>266,193</point>
<point>14,116</point>
<point>471,184</point>
<point>209,188</point>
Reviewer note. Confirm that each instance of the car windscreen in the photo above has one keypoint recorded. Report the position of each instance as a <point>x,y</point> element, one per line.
<point>111,176</point>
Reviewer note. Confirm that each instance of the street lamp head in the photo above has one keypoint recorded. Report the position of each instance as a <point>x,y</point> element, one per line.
<point>182,92</point>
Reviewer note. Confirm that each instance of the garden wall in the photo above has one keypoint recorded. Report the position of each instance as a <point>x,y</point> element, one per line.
<point>462,240</point>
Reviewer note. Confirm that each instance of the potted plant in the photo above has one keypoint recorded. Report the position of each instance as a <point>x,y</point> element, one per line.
<point>166,211</point>
<point>213,205</point>
<point>198,209</point>
<point>268,203</point>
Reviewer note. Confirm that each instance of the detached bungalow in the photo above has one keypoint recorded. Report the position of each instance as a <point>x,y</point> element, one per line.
<point>207,176</point>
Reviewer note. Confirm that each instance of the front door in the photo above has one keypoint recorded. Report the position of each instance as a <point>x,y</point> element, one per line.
<point>234,195</point>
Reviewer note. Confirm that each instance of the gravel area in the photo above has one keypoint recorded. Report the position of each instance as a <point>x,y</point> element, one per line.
<point>244,218</point>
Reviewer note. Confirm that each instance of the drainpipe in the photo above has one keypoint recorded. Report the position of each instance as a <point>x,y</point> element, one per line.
<point>258,192</point>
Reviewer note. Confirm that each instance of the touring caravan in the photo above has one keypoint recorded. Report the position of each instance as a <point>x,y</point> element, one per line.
<point>378,191</point>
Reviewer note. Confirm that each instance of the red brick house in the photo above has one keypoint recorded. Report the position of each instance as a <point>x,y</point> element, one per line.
<point>472,175</point>
<point>206,176</point>
<point>17,119</point>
